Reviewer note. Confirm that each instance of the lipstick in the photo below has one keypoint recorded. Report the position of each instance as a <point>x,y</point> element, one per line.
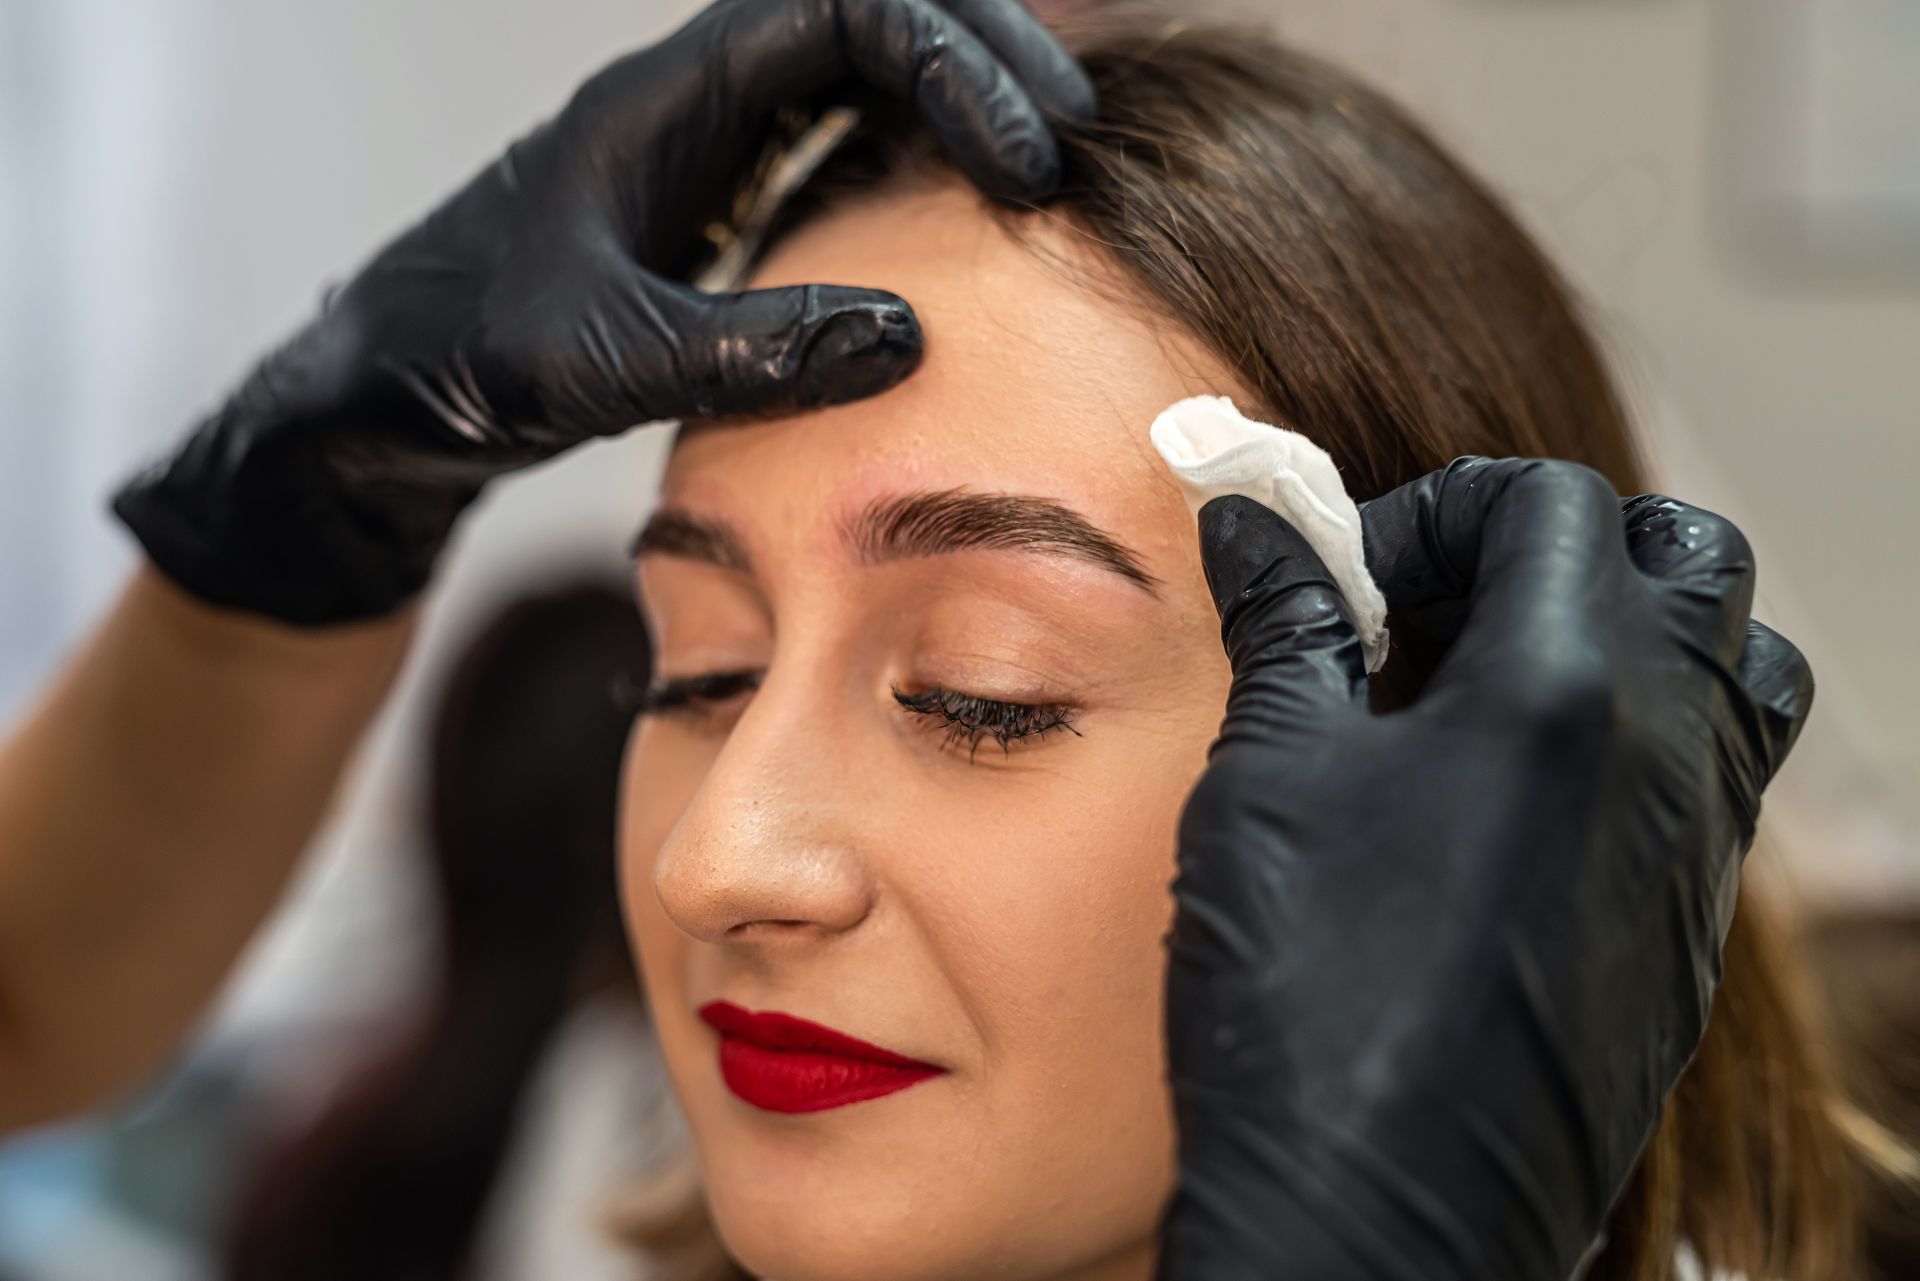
<point>785,1064</point>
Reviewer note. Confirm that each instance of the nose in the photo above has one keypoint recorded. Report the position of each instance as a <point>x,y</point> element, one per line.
<point>768,852</point>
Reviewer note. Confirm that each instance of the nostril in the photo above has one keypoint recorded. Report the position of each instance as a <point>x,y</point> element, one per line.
<point>779,925</point>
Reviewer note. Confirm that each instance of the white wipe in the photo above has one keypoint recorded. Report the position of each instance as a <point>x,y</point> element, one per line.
<point>1214,449</point>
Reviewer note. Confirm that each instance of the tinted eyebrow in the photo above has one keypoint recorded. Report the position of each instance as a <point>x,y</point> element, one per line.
<point>673,532</point>
<point>934,524</point>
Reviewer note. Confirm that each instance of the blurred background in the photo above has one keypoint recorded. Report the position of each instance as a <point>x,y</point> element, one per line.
<point>1733,185</point>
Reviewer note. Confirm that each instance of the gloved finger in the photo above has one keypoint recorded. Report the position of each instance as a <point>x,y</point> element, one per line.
<point>1289,636</point>
<point>1052,77</point>
<point>1425,587</point>
<point>768,54</point>
<point>1514,555</point>
<point>969,99</point>
<point>776,351</point>
<point>1777,677</point>
<point>1703,562</point>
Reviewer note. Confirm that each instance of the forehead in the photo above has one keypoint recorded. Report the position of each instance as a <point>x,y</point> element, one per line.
<point>1043,371</point>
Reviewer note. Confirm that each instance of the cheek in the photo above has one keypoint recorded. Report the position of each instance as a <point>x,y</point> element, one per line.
<point>1048,918</point>
<point>1072,902</point>
<point>1067,881</point>
<point>1071,894</point>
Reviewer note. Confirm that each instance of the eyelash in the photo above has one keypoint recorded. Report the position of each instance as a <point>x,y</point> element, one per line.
<point>692,694</point>
<point>969,718</point>
<point>962,718</point>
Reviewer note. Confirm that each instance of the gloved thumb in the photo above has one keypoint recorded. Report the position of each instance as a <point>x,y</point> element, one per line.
<point>768,352</point>
<point>1289,635</point>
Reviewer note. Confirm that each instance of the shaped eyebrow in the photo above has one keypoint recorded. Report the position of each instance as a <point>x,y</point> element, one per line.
<point>953,520</point>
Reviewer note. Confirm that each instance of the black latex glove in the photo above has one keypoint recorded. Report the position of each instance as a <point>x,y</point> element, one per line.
<point>1434,972</point>
<point>539,306</point>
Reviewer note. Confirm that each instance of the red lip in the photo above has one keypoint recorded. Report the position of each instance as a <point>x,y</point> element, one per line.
<point>785,1064</point>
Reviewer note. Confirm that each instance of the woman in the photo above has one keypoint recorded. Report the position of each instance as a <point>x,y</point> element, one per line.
<point>981,670</point>
<point>541,305</point>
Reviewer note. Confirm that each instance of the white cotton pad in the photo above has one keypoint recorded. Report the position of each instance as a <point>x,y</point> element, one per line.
<point>1214,449</point>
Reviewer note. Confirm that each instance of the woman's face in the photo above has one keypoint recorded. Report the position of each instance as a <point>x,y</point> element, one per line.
<point>943,823</point>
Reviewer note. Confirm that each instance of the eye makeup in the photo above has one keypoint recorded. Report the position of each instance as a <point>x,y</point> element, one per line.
<point>969,718</point>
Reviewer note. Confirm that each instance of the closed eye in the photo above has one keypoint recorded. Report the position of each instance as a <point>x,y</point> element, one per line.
<point>701,696</point>
<point>969,718</point>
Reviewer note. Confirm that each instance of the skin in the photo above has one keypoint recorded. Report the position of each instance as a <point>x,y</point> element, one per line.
<point>813,848</point>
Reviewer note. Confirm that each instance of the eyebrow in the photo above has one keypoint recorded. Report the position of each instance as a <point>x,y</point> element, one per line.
<point>907,526</point>
<point>671,531</point>
<point>953,520</point>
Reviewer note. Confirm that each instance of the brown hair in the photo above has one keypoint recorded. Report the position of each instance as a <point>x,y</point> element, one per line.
<point>1867,961</point>
<point>1369,292</point>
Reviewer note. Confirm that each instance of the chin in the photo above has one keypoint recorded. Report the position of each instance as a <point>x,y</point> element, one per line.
<point>789,1216</point>
<point>791,1208</point>
<point>798,1234</point>
<point>854,1247</point>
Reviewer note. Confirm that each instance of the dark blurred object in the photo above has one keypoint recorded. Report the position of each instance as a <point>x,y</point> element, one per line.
<point>1868,964</point>
<point>392,1178</point>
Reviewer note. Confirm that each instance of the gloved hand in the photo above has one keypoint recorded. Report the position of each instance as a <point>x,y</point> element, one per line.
<point>539,306</point>
<point>1434,971</point>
